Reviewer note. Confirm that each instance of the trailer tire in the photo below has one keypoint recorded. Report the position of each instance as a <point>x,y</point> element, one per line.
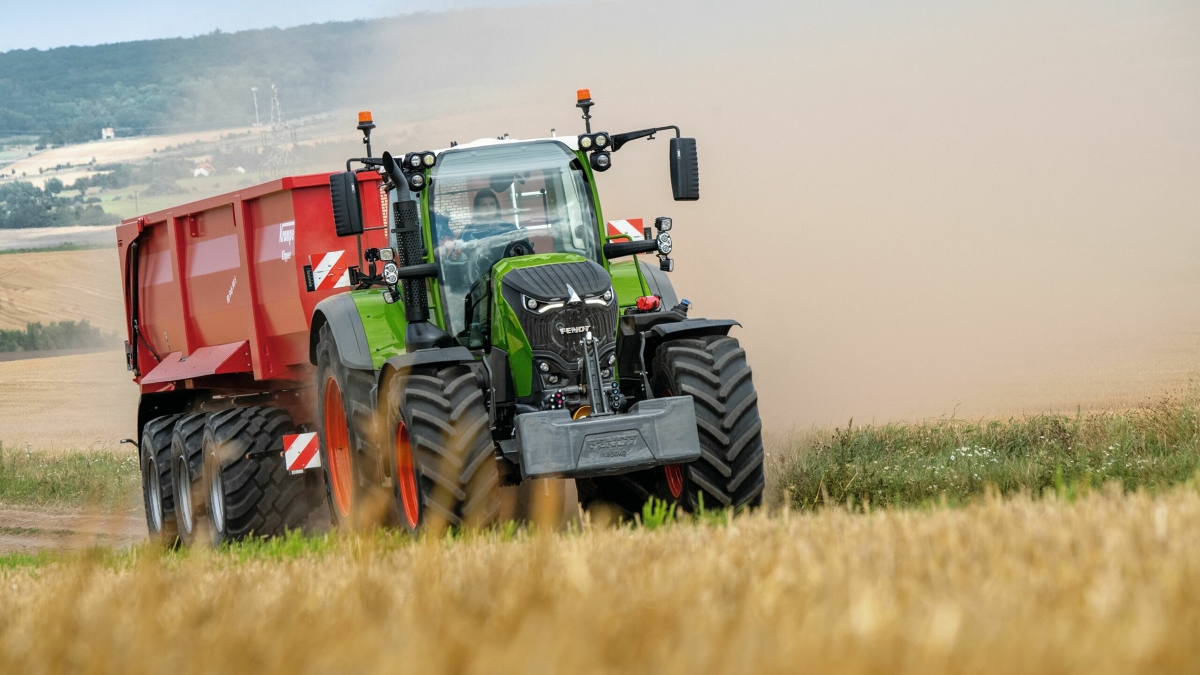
<point>351,460</point>
<point>157,487</point>
<point>187,457</point>
<point>441,451</point>
<point>251,496</point>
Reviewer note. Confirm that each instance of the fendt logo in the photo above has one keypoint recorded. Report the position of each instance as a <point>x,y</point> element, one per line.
<point>616,445</point>
<point>569,330</point>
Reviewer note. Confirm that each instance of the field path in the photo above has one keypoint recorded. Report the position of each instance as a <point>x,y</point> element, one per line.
<point>27,531</point>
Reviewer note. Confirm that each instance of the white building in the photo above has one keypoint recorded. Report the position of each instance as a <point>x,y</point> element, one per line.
<point>107,133</point>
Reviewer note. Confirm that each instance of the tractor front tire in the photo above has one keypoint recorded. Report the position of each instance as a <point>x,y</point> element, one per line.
<point>255,495</point>
<point>157,487</point>
<point>714,372</point>
<point>442,456</point>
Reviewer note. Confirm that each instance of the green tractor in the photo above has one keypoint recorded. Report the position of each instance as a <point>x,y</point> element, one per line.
<point>510,335</point>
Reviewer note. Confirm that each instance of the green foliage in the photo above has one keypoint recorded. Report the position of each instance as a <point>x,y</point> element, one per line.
<point>954,461</point>
<point>67,95</point>
<point>104,479</point>
<point>56,335</point>
<point>24,205</point>
<point>657,513</point>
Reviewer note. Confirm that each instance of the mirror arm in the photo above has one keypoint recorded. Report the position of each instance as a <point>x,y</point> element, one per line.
<point>619,140</point>
<point>366,161</point>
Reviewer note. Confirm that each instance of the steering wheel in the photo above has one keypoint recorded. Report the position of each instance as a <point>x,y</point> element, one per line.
<point>518,248</point>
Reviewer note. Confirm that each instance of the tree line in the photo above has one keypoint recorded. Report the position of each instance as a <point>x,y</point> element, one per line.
<point>55,335</point>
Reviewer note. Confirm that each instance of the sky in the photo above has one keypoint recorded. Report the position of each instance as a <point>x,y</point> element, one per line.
<point>27,25</point>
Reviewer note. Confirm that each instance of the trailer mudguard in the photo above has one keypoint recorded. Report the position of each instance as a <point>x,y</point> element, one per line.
<point>340,312</point>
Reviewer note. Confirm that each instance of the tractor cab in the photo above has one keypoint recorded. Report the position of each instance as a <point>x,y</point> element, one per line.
<point>495,200</point>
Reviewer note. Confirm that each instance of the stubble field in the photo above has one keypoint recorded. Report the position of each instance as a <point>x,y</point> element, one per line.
<point>1109,583</point>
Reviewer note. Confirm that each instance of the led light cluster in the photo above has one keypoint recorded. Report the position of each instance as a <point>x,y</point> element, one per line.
<point>414,165</point>
<point>598,144</point>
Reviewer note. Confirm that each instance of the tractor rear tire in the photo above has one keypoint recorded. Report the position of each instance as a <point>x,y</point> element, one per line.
<point>187,457</point>
<point>714,372</point>
<point>442,455</point>
<point>157,488</point>
<point>256,496</point>
<point>351,459</point>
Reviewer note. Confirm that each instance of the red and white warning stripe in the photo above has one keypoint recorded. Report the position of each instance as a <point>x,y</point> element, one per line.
<point>300,452</point>
<point>631,227</point>
<point>331,272</point>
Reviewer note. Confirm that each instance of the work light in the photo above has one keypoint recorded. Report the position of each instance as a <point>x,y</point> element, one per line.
<point>662,224</point>
<point>601,140</point>
<point>585,142</point>
<point>416,182</point>
<point>391,273</point>
<point>664,243</point>
<point>601,161</point>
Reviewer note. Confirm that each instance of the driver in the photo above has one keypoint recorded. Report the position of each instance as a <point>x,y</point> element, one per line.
<point>486,208</point>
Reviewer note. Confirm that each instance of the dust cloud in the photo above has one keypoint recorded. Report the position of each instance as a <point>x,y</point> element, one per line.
<point>913,211</point>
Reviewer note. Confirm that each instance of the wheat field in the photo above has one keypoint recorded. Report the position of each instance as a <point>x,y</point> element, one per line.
<point>1107,584</point>
<point>50,286</point>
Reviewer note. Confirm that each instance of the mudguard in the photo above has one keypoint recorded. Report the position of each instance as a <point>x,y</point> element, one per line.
<point>659,284</point>
<point>340,312</point>
<point>639,335</point>
<point>402,363</point>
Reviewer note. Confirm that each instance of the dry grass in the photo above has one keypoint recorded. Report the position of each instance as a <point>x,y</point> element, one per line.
<point>79,402</point>
<point>1108,584</point>
<point>56,285</point>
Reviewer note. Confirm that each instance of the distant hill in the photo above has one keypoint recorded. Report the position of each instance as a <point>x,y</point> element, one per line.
<point>68,94</point>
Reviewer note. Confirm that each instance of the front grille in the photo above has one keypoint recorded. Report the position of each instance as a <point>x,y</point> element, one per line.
<point>545,331</point>
<point>556,282</point>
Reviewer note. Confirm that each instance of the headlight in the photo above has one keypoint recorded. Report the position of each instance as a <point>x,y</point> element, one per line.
<point>664,243</point>
<point>544,367</point>
<point>531,303</point>
<point>585,142</point>
<point>663,224</point>
<point>607,295</point>
<point>601,140</point>
<point>391,274</point>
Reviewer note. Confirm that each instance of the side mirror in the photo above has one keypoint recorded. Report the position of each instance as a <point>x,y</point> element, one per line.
<point>347,210</point>
<point>685,170</point>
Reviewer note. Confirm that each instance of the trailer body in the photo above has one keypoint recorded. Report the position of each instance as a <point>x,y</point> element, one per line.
<point>217,291</point>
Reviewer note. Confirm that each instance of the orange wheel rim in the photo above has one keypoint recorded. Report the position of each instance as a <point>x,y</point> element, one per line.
<point>406,476</point>
<point>337,448</point>
<point>674,472</point>
<point>674,479</point>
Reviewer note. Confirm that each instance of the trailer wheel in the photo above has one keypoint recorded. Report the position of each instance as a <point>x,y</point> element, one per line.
<point>441,450</point>
<point>187,456</point>
<point>157,488</point>
<point>714,372</point>
<point>350,457</point>
<point>253,496</point>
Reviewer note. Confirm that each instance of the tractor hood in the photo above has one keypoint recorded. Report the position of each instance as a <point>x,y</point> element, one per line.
<point>546,305</point>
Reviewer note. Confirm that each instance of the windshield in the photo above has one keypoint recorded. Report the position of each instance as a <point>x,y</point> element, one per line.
<point>502,201</point>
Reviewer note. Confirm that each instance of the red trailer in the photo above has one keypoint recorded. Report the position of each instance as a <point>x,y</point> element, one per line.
<point>218,299</point>
<point>216,291</point>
